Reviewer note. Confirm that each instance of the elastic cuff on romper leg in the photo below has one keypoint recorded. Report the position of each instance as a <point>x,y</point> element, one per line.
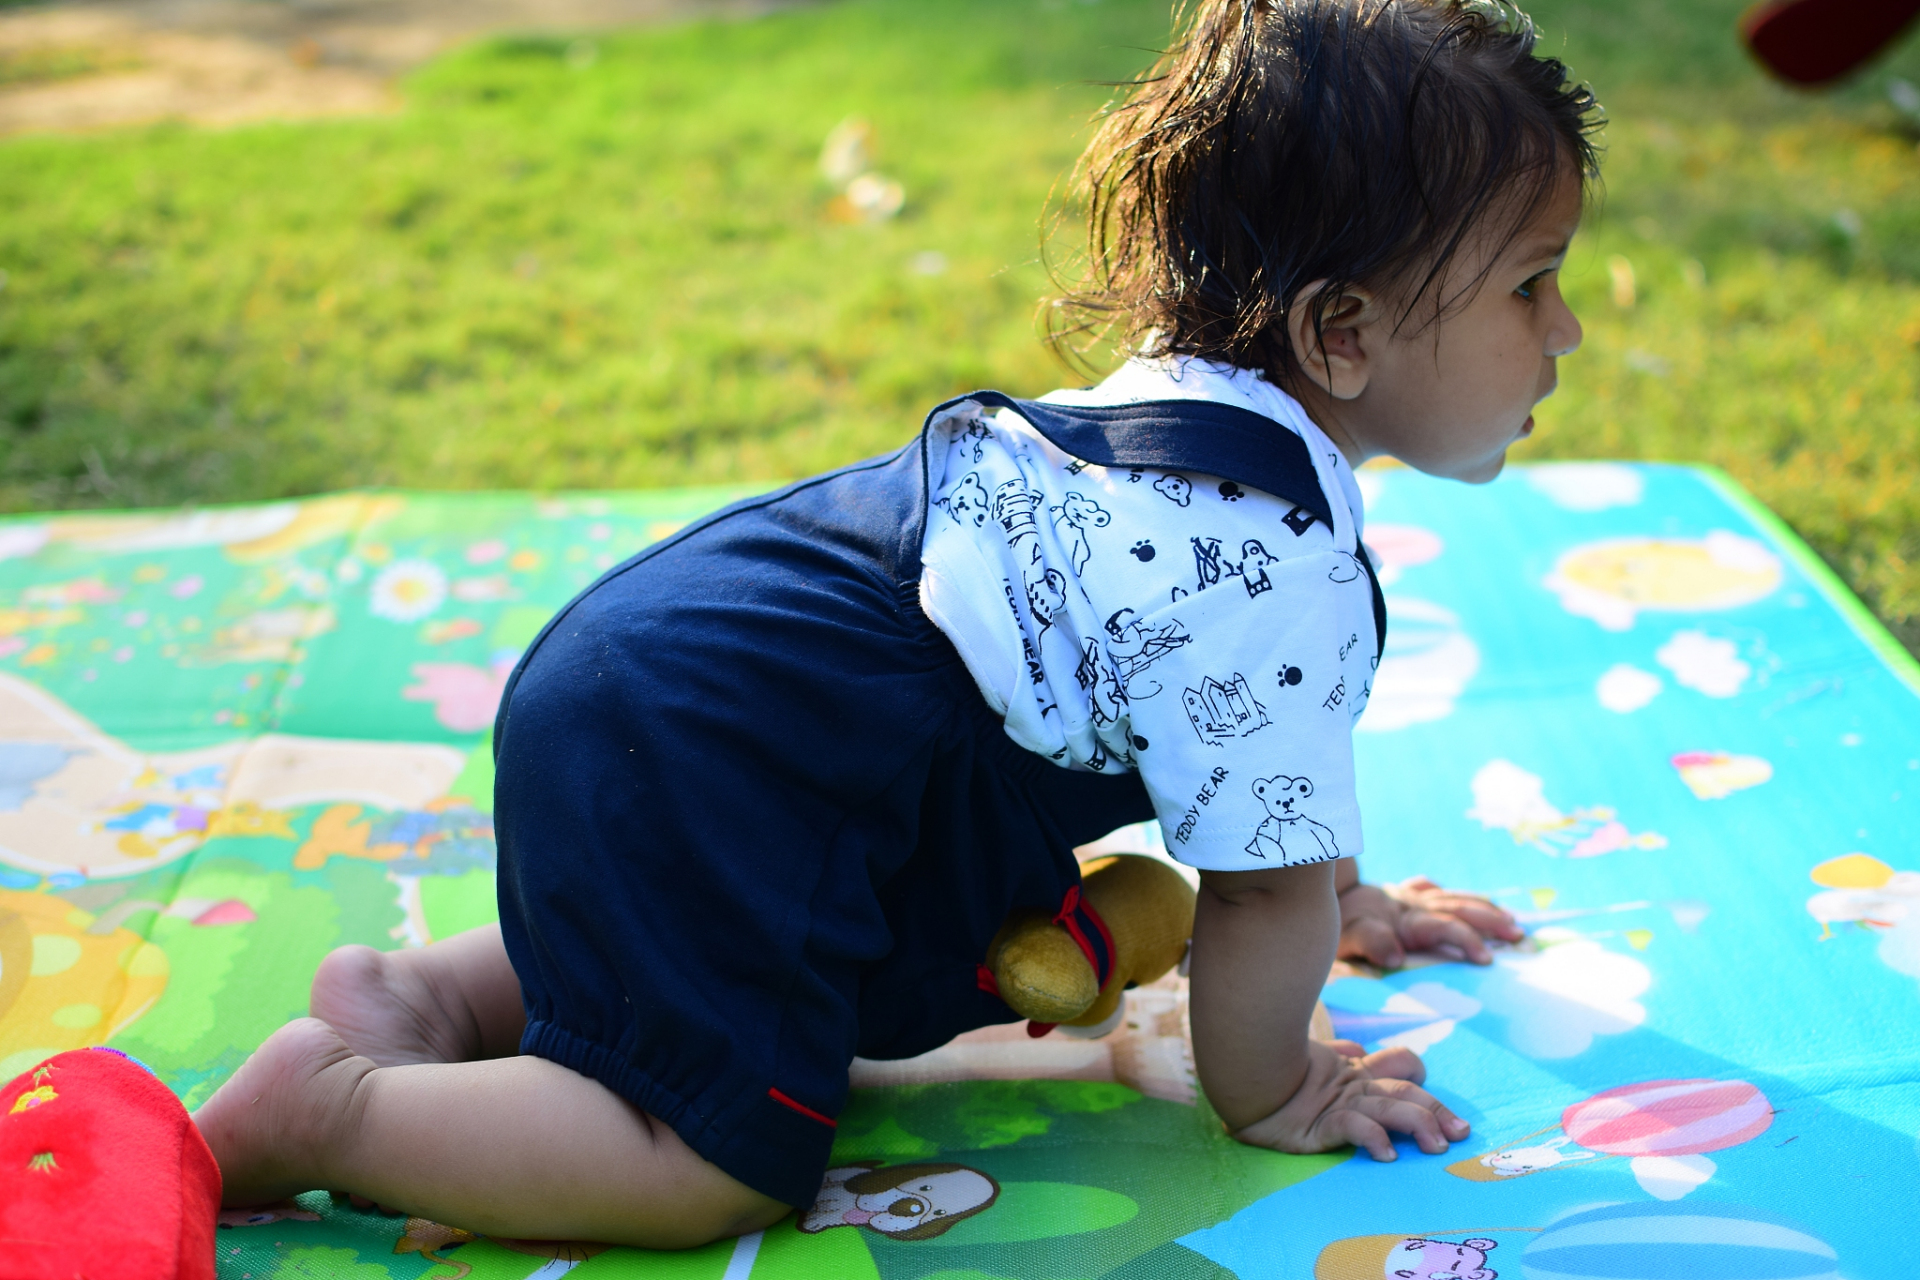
<point>774,1144</point>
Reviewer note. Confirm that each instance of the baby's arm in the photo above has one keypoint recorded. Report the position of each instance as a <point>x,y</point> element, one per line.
<point>1263,942</point>
<point>1381,923</point>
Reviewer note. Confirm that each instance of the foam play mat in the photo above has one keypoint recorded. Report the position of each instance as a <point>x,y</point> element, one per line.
<point>1624,701</point>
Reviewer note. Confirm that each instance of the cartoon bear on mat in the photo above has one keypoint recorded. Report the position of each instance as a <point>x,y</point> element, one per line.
<point>906,1202</point>
<point>1287,831</point>
<point>1397,1257</point>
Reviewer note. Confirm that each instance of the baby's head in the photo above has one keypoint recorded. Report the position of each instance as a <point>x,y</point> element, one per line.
<point>1365,200</point>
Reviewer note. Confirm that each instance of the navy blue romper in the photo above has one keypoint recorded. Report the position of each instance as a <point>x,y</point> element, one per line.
<point>755,817</point>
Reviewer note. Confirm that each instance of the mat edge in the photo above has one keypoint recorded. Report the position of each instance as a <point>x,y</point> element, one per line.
<point>1873,632</point>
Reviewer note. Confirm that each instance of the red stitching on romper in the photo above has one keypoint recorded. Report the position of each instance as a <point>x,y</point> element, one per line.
<point>801,1107</point>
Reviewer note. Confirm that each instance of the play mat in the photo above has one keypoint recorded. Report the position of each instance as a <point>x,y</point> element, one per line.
<point>1623,700</point>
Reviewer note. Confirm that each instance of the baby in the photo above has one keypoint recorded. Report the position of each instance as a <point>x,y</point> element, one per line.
<point>767,790</point>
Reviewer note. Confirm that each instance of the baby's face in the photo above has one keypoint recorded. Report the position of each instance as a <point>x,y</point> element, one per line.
<point>1450,398</point>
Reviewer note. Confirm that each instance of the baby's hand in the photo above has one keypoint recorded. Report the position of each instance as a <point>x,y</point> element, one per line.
<point>1359,1098</point>
<point>1380,924</point>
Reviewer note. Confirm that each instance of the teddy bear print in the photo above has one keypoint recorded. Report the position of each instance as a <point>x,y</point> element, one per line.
<point>967,501</point>
<point>906,1202</point>
<point>1076,514</point>
<point>1175,489</point>
<point>1287,831</point>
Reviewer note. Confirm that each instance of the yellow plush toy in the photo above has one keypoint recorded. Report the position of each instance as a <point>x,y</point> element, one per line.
<point>1045,965</point>
<point>1141,920</point>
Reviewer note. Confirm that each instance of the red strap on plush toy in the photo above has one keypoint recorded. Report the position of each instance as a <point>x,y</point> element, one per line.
<point>1090,933</point>
<point>103,1175</point>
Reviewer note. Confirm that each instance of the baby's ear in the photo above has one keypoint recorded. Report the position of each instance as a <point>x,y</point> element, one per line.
<point>1327,336</point>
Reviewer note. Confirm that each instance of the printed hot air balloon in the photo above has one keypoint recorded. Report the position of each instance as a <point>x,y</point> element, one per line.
<point>1669,1117</point>
<point>1664,1127</point>
<point>1697,1241</point>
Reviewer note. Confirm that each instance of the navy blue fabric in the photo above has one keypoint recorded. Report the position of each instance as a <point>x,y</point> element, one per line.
<point>755,818</point>
<point>1179,435</point>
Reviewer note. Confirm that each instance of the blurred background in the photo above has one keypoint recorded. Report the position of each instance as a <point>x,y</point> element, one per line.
<point>258,248</point>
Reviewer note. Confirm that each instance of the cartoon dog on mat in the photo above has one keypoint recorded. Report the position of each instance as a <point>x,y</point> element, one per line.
<point>906,1202</point>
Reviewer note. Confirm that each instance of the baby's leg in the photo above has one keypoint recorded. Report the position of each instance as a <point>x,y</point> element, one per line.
<point>453,1001</point>
<point>518,1147</point>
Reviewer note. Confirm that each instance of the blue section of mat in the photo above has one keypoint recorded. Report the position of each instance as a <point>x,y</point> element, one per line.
<point>1630,704</point>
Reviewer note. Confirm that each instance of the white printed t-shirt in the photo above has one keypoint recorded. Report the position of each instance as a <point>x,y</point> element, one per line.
<point>1217,639</point>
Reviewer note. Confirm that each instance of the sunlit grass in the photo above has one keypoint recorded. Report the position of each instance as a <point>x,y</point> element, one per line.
<point>619,270</point>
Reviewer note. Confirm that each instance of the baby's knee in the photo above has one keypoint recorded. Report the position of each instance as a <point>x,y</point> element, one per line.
<point>747,1211</point>
<point>705,1203</point>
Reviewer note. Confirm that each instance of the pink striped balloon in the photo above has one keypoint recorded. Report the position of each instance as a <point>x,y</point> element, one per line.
<point>1669,1117</point>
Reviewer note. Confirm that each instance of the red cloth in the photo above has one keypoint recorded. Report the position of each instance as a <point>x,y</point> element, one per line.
<point>1813,41</point>
<point>103,1175</point>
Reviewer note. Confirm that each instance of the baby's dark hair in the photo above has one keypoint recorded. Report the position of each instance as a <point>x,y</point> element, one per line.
<point>1282,142</point>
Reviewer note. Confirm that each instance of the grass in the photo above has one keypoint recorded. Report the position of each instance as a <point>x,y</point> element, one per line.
<point>615,266</point>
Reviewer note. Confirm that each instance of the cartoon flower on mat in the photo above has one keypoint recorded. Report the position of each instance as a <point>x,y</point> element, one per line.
<point>407,591</point>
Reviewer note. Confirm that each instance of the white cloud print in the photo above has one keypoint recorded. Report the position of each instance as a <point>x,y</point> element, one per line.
<point>1557,999</point>
<point>1703,662</point>
<point>1588,486</point>
<point>1625,688</point>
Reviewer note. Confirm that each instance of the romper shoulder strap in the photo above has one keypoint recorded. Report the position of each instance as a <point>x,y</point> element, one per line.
<point>1188,435</point>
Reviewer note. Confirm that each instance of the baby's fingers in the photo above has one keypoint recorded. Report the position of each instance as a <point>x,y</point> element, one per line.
<point>1373,940</point>
<point>1407,1108</point>
<point>1491,921</point>
<point>1397,1063</point>
<point>1354,1125</point>
<point>1424,931</point>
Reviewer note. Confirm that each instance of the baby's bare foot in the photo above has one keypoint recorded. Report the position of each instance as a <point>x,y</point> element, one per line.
<point>272,1124</point>
<point>386,1009</point>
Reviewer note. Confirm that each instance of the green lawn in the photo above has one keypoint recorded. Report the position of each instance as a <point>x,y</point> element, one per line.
<point>613,265</point>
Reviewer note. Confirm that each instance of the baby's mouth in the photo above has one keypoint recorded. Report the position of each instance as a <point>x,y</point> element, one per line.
<point>1526,428</point>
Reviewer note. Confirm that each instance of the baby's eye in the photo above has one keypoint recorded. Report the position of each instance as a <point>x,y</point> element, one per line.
<point>1531,283</point>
